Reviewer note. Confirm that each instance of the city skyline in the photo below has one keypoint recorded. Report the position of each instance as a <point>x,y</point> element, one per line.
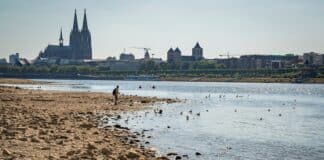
<point>249,27</point>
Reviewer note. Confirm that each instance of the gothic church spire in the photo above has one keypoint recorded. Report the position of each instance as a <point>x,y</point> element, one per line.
<point>61,38</point>
<point>75,22</point>
<point>85,23</point>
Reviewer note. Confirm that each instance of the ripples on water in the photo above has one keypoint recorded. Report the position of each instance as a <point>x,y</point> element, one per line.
<point>220,132</point>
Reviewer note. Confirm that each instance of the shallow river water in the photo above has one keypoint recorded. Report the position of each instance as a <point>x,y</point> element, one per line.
<point>234,121</point>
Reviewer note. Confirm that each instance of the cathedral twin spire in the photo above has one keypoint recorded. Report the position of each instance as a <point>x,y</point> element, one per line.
<point>75,22</point>
<point>80,41</point>
<point>75,29</point>
<point>79,46</point>
<point>85,23</point>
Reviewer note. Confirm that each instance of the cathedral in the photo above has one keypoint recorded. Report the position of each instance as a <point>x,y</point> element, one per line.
<point>79,46</point>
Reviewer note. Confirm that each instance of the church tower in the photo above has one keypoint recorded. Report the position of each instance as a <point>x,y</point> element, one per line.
<point>61,39</point>
<point>75,38</point>
<point>86,49</point>
<point>197,52</point>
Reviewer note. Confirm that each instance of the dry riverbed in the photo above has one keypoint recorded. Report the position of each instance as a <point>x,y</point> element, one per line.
<point>37,124</point>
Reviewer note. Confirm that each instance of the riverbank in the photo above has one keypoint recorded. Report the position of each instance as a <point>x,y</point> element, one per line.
<point>37,124</point>
<point>248,80</point>
<point>20,81</point>
<point>172,78</point>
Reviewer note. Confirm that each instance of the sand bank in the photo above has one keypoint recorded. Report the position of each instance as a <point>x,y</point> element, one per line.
<point>37,124</point>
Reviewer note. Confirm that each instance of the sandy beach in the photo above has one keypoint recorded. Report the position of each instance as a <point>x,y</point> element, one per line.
<point>36,124</point>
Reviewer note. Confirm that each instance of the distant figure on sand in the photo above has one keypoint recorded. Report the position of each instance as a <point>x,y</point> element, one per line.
<point>153,86</point>
<point>115,94</point>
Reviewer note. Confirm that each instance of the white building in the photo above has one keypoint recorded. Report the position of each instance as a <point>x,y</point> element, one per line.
<point>313,58</point>
<point>14,58</point>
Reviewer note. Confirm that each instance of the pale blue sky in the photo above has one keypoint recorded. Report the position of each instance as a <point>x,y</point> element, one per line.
<point>235,26</point>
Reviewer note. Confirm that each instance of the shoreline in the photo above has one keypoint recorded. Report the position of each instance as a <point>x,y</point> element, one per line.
<point>37,124</point>
<point>243,80</point>
<point>183,79</point>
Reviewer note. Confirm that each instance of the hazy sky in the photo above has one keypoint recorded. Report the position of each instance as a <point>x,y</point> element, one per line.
<point>234,26</point>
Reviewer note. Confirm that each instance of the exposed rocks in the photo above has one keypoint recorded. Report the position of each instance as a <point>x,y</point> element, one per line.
<point>145,101</point>
<point>132,154</point>
<point>86,125</point>
<point>91,146</point>
<point>6,152</point>
<point>35,140</point>
<point>172,154</point>
<point>120,127</point>
<point>70,153</point>
<point>197,153</point>
<point>162,158</point>
<point>178,157</point>
<point>106,151</point>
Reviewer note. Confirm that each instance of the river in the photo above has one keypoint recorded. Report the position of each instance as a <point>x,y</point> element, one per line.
<point>223,120</point>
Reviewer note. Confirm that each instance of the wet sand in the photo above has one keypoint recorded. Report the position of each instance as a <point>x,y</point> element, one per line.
<point>37,124</point>
<point>20,81</point>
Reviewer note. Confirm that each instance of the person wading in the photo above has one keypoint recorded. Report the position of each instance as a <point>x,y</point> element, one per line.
<point>115,94</point>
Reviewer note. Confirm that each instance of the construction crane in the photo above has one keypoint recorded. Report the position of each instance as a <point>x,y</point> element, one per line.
<point>227,55</point>
<point>146,52</point>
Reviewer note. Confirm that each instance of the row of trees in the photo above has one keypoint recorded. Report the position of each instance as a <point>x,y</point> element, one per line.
<point>199,65</point>
<point>181,69</point>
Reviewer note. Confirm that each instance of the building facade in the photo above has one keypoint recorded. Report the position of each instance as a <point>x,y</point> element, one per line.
<point>197,52</point>
<point>79,46</point>
<point>259,62</point>
<point>14,58</point>
<point>174,55</point>
<point>313,59</point>
<point>3,61</point>
<point>126,57</point>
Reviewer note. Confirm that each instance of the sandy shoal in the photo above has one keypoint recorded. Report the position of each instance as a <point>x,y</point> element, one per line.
<point>37,124</point>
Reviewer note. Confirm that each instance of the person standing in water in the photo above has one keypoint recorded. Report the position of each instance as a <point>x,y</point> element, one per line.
<point>115,94</point>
